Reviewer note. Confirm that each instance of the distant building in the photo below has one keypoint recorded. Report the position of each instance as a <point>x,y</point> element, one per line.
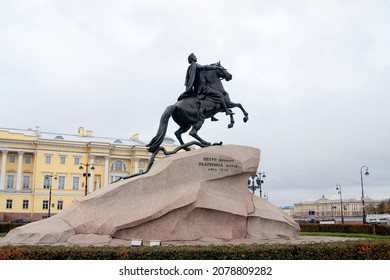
<point>289,210</point>
<point>32,162</point>
<point>325,208</point>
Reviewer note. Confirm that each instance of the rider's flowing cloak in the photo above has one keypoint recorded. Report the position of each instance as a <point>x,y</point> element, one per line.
<point>190,77</point>
<point>189,82</point>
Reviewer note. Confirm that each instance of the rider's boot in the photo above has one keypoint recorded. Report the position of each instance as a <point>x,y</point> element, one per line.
<point>227,110</point>
<point>214,119</point>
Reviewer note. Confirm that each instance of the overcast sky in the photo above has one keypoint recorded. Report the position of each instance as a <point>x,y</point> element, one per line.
<point>313,75</point>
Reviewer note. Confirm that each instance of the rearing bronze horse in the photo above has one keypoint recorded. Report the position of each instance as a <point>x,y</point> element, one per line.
<point>191,112</point>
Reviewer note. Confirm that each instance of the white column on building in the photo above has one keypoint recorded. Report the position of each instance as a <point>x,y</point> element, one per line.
<point>136,162</point>
<point>106,168</point>
<point>19,172</point>
<point>91,180</point>
<point>3,170</point>
<point>34,168</point>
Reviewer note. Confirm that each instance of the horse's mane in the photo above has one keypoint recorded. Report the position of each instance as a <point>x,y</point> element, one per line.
<point>217,64</point>
<point>214,81</point>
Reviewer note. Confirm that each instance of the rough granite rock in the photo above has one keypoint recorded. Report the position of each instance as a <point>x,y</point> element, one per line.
<point>187,196</point>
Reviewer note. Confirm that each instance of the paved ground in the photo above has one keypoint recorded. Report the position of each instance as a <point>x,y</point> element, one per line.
<point>217,242</point>
<point>301,240</point>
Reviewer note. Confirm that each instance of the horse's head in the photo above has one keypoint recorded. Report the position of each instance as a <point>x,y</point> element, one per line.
<point>222,72</point>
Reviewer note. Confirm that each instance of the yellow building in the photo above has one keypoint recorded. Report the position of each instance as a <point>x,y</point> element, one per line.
<point>40,172</point>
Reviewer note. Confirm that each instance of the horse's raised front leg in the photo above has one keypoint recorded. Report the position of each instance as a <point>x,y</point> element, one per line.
<point>194,132</point>
<point>231,122</point>
<point>233,105</point>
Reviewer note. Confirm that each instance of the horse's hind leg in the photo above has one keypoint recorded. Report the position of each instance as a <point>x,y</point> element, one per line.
<point>194,132</point>
<point>180,131</point>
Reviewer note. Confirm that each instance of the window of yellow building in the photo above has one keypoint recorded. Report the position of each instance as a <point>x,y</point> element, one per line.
<point>8,204</point>
<point>62,159</point>
<point>26,182</point>
<point>10,181</point>
<point>61,182</point>
<point>118,165</point>
<point>75,183</point>
<point>27,159</point>
<point>76,160</point>
<point>48,159</point>
<point>25,204</point>
<point>46,182</point>
<point>12,158</point>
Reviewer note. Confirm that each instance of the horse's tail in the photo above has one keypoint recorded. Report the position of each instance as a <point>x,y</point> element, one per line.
<point>155,143</point>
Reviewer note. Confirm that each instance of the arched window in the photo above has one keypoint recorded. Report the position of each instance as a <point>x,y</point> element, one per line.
<point>118,165</point>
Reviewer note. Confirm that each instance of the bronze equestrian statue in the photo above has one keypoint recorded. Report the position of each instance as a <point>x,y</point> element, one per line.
<point>204,97</point>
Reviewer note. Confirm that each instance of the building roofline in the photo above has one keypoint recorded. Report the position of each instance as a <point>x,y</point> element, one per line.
<point>74,138</point>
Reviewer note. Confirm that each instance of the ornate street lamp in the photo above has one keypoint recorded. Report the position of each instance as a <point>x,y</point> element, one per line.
<point>255,181</point>
<point>361,182</point>
<point>251,184</point>
<point>338,188</point>
<point>50,178</point>
<point>86,174</point>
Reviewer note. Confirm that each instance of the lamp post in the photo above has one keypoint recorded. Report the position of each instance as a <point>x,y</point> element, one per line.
<point>361,182</point>
<point>251,184</point>
<point>50,178</point>
<point>260,181</point>
<point>255,181</point>
<point>86,174</point>
<point>338,188</point>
